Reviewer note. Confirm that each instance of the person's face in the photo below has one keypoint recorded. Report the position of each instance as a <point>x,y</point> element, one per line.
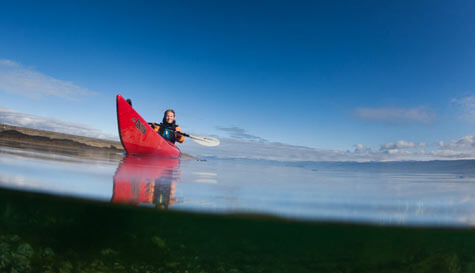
<point>170,117</point>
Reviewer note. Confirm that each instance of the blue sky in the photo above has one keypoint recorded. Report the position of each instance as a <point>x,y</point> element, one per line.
<point>322,75</point>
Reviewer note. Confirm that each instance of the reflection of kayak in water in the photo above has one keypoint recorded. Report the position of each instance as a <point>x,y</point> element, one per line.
<point>142,180</point>
<point>137,136</point>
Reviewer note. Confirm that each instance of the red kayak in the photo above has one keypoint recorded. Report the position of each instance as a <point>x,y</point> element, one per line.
<point>137,137</point>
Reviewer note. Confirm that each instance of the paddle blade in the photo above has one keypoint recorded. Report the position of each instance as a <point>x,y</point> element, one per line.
<point>205,141</point>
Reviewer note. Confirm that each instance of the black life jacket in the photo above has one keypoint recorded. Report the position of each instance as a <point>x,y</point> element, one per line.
<point>167,131</point>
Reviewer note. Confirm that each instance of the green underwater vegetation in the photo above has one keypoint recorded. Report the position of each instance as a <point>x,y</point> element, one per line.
<point>42,233</point>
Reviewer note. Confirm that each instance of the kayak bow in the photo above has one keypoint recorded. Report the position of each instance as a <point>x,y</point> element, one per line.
<point>137,136</point>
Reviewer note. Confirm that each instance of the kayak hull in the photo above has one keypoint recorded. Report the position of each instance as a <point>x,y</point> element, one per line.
<point>137,137</point>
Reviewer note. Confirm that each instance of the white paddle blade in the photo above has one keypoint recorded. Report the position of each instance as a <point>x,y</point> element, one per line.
<point>206,141</point>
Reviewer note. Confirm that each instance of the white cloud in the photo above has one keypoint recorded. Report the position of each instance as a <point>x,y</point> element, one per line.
<point>398,145</point>
<point>465,143</point>
<point>4,62</point>
<point>401,144</point>
<point>20,80</point>
<point>467,107</point>
<point>395,115</point>
<point>10,117</point>
<point>239,133</point>
<point>401,150</point>
<point>249,149</point>
<point>361,148</point>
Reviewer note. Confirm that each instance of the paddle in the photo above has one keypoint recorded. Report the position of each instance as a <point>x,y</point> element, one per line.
<point>202,140</point>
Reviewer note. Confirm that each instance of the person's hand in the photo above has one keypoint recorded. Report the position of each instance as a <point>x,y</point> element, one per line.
<point>153,125</point>
<point>178,134</point>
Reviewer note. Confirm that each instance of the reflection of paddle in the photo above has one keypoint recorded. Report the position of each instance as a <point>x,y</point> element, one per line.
<point>202,140</point>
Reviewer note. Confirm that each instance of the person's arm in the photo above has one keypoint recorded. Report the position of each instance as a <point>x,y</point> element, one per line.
<point>154,126</point>
<point>178,136</point>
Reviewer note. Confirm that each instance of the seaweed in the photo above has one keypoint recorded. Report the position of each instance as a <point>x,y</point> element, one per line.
<point>42,233</point>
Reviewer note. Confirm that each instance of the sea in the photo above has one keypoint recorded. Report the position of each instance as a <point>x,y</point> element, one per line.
<point>70,211</point>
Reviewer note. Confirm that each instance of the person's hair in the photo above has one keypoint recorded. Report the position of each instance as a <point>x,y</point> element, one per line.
<point>165,115</point>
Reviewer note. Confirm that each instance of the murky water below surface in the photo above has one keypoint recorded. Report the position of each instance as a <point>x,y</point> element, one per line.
<point>403,193</point>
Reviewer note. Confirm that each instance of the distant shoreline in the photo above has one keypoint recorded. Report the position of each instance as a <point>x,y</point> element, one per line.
<point>21,135</point>
<point>48,141</point>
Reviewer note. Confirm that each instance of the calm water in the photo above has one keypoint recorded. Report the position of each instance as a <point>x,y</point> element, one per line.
<point>413,217</point>
<point>401,193</point>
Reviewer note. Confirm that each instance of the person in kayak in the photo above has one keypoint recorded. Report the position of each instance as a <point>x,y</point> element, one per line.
<point>168,129</point>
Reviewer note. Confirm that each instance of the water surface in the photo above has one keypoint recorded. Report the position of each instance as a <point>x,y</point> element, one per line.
<point>439,193</point>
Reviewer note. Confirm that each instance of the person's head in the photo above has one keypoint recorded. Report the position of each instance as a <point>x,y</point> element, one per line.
<point>169,116</point>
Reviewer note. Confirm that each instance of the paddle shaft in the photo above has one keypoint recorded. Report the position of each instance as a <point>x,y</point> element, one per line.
<point>203,140</point>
